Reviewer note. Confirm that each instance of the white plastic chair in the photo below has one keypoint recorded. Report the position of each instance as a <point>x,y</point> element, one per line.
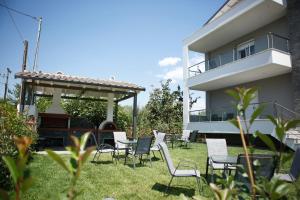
<point>185,137</point>
<point>158,139</point>
<point>192,170</point>
<point>215,147</point>
<point>118,136</point>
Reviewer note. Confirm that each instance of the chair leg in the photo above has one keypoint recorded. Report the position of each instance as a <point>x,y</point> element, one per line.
<point>161,156</point>
<point>169,184</point>
<point>153,154</point>
<point>150,160</point>
<point>207,160</point>
<point>198,184</point>
<point>95,155</point>
<point>133,162</point>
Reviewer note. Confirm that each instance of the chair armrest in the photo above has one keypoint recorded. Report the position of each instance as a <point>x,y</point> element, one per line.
<point>187,163</point>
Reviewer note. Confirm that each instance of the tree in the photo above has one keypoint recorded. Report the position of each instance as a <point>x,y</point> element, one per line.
<point>164,108</point>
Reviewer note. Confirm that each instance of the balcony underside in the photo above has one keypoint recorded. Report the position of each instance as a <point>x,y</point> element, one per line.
<point>247,16</point>
<point>263,125</point>
<point>262,65</point>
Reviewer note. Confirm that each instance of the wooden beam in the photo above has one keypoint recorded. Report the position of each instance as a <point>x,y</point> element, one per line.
<point>80,88</point>
<point>70,97</point>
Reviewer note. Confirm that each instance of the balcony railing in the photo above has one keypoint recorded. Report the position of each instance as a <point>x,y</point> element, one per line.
<point>227,113</point>
<point>261,43</point>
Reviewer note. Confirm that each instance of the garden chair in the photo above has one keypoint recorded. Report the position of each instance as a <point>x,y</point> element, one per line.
<point>159,138</point>
<point>263,165</point>
<point>118,145</point>
<point>216,147</point>
<point>102,148</point>
<point>192,170</point>
<point>142,148</point>
<point>155,132</point>
<point>294,172</point>
<point>185,137</point>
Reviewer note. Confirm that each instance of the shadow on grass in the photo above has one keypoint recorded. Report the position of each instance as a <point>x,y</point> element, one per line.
<point>156,159</point>
<point>102,162</point>
<point>173,190</point>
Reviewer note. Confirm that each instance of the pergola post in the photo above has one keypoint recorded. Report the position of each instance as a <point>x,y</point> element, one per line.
<point>134,116</point>
<point>116,110</point>
<point>110,107</point>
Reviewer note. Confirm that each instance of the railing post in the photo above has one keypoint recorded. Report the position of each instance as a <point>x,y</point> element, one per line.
<point>272,40</point>
<point>220,61</point>
<point>268,39</point>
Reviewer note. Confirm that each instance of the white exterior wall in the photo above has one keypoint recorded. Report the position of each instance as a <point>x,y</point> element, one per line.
<point>186,92</point>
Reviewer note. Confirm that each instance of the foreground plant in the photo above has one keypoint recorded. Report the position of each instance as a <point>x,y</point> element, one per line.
<point>18,168</point>
<point>75,163</point>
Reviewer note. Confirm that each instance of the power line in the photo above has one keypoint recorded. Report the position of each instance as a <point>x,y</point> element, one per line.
<point>15,24</point>
<point>19,12</point>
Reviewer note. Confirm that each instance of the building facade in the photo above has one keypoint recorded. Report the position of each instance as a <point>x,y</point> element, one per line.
<point>246,43</point>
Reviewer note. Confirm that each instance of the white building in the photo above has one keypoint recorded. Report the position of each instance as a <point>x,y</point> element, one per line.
<point>245,44</point>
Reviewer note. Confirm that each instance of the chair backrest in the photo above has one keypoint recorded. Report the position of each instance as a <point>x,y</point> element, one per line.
<point>159,138</point>
<point>167,157</point>
<point>185,134</point>
<point>263,165</point>
<point>216,147</point>
<point>94,139</point>
<point>143,145</point>
<point>155,132</point>
<point>295,168</point>
<point>119,136</point>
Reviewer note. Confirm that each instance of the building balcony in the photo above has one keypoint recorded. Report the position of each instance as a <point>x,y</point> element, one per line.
<point>243,18</point>
<point>268,56</point>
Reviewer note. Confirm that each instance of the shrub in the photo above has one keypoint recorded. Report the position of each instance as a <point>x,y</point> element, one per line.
<point>10,125</point>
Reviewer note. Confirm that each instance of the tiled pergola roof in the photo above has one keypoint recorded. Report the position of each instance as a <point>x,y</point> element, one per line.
<point>84,81</point>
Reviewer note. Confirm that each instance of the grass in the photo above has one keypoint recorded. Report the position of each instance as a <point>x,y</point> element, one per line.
<point>105,179</point>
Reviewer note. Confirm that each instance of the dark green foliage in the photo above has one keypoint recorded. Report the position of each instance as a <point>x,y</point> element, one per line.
<point>10,125</point>
<point>124,120</point>
<point>43,103</point>
<point>94,111</point>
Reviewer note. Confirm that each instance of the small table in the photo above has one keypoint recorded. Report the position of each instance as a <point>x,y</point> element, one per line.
<point>228,161</point>
<point>128,142</point>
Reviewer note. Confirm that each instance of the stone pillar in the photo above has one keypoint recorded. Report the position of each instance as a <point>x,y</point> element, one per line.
<point>293,14</point>
<point>186,92</point>
<point>110,107</point>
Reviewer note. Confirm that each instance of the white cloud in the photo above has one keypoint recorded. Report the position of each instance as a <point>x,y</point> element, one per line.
<point>176,74</point>
<point>169,61</point>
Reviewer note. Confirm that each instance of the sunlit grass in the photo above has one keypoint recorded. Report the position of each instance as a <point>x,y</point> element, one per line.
<point>106,179</point>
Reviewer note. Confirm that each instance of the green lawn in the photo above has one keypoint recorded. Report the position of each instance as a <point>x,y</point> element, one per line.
<point>105,179</point>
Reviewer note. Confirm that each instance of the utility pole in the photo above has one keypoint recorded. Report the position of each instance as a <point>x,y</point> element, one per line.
<point>8,71</point>
<point>37,45</point>
<point>23,88</point>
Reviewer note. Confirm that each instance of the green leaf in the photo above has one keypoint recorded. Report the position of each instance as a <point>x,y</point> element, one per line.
<point>280,132</point>
<point>292,124</point>
<point>12,167</point>
<point>84,139</point>
<point>86,154</point>
<point>58,159</point>
<point>266,140</point>
<point>234,94</point>
<point>256,113</point>
<point>235,123</point>
<point>272,119</point>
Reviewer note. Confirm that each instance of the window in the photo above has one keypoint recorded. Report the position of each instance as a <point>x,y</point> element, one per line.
<point>245,49</point>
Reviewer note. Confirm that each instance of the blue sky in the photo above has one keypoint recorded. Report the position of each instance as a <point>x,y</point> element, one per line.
<point>138,41</point>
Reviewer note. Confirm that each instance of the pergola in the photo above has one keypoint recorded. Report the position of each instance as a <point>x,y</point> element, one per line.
<point>60,86</point>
